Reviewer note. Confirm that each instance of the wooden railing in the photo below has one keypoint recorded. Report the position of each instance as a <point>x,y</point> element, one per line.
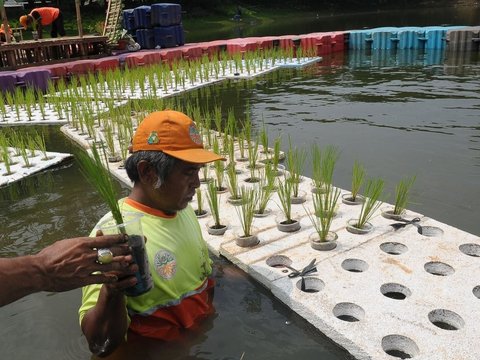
<point>46,51</point>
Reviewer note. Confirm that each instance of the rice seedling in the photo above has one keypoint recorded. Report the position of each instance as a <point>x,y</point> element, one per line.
<point>214,202</point>
<point>252,160</point>
<point>99,176</point>
<point>402,192</point>
<point>232,182</point>
<point>373,192</point>
<point>295,162</point>
<point>247,209</point>
<point>358,176</point>
<point>265,192</point>
<point>219,174</point>
<point>41,144</point>
<point>199,211</point>
<point>284,192</point>
<point>324,206</point>
<point>25,156</point>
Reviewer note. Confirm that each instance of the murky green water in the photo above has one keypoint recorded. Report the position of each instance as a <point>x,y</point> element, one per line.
<point>400,115</point>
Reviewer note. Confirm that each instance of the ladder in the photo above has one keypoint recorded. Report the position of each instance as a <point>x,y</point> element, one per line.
<point>112,28</point>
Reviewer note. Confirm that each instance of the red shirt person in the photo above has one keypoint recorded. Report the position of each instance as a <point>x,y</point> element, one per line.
<point>44,16</point>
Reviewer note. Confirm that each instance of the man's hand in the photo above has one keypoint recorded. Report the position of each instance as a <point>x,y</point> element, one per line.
<point>72,263</point>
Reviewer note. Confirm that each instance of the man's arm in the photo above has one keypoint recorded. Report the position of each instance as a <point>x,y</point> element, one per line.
<point>37,23</point>
<point>62,266</point>
<point>106,324</point>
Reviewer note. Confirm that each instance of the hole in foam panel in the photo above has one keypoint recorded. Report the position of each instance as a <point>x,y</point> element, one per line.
<point>476,291</point>
<point>438,268</point>
<point>349,312</point>
<point>310,285</point>
<point>400,346</point>
<point>279,261</point>
<point>446,319</point>
<point>470,249</point>
<point>393,248</point>
<point>395,291</point>
<point>354,265</point>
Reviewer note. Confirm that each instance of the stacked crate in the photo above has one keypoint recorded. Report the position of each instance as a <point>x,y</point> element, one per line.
<point>155,26</point>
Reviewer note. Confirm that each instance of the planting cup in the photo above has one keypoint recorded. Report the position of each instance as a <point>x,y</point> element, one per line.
<point>132,226</point>
<point>355,230</point>
<point>329,243</point>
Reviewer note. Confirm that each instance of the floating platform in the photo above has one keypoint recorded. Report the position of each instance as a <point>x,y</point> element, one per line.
<point>20,169</point>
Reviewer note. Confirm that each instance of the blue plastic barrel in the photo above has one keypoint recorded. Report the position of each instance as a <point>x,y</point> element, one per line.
<point>145,38</point>
<point>166,14</point>
<point>165,36</point>
<point>128,20</point>
<point>142,15</point>
<point>411,38</point>
<point>360,39</point>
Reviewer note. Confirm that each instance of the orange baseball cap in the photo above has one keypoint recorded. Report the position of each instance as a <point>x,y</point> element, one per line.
<point>23,21</point>
<point>173,133</point>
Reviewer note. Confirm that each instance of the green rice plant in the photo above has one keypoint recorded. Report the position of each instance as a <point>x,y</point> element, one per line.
<point>123,141</point>
<point>252,158</point>
<point>214,202</point>
<point>5,154</point>
<point>329,159</point>
<point>284,192</point>
<point>324,206</point>
<point>246,210</point>
<point>99,176</point>
<point>264,140</point>
<point>109,138</point>
<point>217,118</point>
<point>232,181</point>
<point>276,152</point>
<point>29,102</point>
<point>31,144</point>
<point>219,174</point>
<point>40,143</point>
<point>199,211</point>
<point>295,162</point>
<point>205,173</point>
<point>270,175</point>
<point>317,175</point>
<point>358,177</point>
<point>265,192</point>
<point>241,145</point>
<point>16,142</point>
<point>25,156</point>
<point>373,192</point>
<point>402,192</point>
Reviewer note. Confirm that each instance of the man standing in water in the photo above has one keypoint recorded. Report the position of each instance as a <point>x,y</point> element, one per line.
<point>44,16</point>
<point>167,154</point>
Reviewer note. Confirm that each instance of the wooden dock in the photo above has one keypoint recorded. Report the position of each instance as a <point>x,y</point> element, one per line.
<point>47,51</point>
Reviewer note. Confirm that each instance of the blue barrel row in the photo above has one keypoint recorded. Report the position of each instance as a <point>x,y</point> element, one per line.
<point>430,37</point>
<point>157,25</point>
<point>148,16</point>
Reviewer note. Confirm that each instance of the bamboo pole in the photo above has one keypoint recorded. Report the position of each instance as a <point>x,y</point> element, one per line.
<point>3,13</point>
<point>79,18</point>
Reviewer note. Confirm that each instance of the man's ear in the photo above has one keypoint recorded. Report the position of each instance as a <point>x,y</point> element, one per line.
<point>146,173</point>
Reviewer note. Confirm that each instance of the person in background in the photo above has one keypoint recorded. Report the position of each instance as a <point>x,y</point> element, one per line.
<point>66,265</point>
<point>44,16</point>
<point>3,37</point>
<point>167,154</point>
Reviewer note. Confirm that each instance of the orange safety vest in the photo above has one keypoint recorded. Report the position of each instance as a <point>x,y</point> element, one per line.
<point>47,14</point>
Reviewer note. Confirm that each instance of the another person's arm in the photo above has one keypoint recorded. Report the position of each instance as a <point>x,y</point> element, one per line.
<point>62,266</point>
<point>37,23</point>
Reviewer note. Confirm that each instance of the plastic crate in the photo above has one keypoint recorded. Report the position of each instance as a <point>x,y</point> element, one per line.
<point>166,14</point>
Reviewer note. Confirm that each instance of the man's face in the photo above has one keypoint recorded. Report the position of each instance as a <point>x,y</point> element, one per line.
<point>179,187</point>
